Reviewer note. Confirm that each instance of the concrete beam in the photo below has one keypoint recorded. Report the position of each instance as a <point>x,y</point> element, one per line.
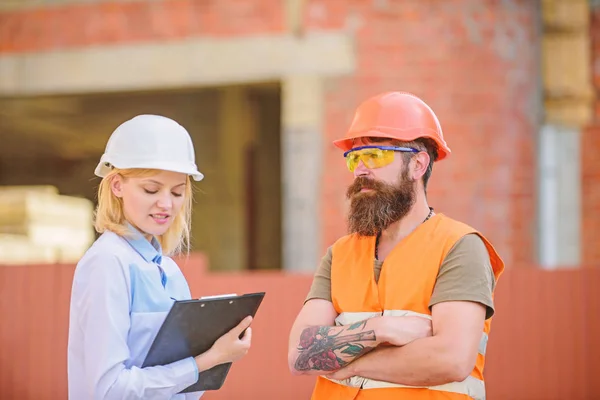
<point>570,15</point>
<point>186,63</point>
<point>573,112</point>
<point>294,16</point>
<point>566,63</point>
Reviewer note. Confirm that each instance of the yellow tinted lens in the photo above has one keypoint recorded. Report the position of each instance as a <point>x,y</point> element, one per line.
<point>372,158</point>
<point>352,161</point>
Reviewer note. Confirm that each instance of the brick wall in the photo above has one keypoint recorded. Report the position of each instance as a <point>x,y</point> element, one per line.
<point>473,61</point>
<point>102,23</point>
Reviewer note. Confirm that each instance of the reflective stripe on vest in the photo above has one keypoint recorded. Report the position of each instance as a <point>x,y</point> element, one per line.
<point>471,386</point>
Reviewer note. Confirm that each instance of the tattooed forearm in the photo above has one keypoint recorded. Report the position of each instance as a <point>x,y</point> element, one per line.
<point>327,348</point>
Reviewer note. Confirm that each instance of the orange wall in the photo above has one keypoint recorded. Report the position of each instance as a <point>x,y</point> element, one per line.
<point>543,343</point>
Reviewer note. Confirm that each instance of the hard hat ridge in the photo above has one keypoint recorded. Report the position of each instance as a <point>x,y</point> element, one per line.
<point>150,142</point>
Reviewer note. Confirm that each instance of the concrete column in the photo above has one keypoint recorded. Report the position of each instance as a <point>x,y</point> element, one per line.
<point>568,100</point>
<point>302,158</point>
<point>236,132</point>
<point>559,218</point>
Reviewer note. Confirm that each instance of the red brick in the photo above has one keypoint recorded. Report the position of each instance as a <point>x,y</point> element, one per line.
<point>453,57</point>
<point>104,23</point>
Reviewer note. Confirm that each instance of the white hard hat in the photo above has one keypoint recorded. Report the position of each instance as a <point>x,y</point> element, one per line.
<point>150,141</point>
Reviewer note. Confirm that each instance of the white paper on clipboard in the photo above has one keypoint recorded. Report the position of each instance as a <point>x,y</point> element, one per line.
<point>218,296</point>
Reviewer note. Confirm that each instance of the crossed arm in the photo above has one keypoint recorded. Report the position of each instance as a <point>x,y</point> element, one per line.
<point>448,355</point>
<point>316,347</point>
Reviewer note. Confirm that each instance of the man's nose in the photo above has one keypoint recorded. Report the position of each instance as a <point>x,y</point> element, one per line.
<point>361,170</point>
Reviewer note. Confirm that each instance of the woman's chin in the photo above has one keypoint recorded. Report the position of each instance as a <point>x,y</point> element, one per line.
<point>155,229</point>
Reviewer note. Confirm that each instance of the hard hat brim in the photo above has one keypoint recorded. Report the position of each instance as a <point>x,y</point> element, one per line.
<point>103,168</point>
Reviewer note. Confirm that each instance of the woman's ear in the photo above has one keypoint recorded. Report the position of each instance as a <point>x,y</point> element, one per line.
<point>116,186</point>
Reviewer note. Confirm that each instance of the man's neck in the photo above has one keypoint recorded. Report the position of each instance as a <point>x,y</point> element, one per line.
<point>400,229</point>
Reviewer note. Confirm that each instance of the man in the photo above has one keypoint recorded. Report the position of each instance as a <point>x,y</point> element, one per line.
<point>400,308</point>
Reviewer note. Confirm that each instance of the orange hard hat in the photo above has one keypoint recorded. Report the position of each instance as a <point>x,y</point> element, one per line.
<point>395,115</point>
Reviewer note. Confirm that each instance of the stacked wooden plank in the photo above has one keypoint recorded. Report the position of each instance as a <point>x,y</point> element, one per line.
<point>38,225</point>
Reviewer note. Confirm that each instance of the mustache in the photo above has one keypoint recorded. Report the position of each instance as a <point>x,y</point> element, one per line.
<point>372,213</point>
<point>363,183</point>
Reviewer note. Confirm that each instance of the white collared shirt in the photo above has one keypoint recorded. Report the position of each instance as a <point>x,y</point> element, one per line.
<point>122,291</point>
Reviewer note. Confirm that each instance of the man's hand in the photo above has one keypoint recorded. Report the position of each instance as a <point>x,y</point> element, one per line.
<point>344,373</point>
<point>341,374</point>
<point>400,331</point>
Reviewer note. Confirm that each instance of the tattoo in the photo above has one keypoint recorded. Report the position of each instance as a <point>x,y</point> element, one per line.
<point>322,350</point>
<point>356,325</point>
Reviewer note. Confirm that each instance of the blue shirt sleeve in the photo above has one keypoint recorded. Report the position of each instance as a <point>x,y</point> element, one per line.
<point>101,308</point>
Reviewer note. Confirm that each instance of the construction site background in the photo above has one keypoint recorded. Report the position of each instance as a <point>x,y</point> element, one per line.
<point>264,86</point>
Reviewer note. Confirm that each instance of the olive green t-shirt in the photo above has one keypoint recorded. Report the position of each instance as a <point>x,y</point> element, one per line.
<point>465,275</point>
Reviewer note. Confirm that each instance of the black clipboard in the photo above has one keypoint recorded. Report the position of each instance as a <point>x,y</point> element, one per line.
<point>192,326</point>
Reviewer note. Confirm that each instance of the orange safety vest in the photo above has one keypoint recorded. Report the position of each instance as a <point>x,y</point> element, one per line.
<point>405,286</point>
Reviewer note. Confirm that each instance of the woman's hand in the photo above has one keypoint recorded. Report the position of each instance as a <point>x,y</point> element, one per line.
<point>229,347</point>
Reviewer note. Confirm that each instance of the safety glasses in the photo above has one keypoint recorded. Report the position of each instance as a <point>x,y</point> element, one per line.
<point>373,156</point>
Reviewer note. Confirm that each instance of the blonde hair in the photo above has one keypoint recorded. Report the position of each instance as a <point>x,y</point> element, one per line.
<point>109,215</point>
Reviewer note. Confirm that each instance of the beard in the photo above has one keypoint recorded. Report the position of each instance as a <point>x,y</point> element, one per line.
<point>374,211</point>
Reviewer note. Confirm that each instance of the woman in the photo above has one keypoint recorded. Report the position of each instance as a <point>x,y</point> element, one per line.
<point>125,284</point>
